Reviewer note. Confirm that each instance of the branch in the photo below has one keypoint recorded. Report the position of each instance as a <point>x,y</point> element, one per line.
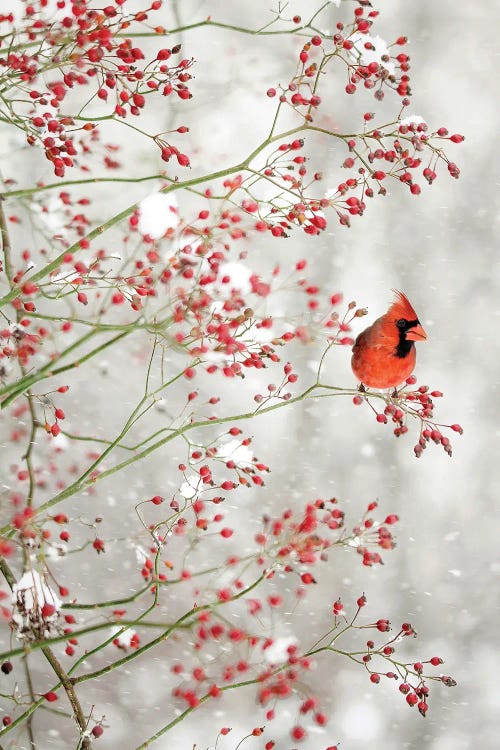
<point>173,187</point>
<point>70,692</point>
<point>194,611</point>
<point>19,387</point>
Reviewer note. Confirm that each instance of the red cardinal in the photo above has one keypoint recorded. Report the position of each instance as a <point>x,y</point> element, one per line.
<point>384,355</point>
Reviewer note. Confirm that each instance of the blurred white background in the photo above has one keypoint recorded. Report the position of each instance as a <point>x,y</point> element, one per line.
<point>441,248</point>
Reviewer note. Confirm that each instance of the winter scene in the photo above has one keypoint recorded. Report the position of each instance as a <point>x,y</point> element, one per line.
<point>248,375</point>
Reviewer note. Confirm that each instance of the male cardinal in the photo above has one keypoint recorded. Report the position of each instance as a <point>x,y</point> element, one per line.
<point>384,355</point>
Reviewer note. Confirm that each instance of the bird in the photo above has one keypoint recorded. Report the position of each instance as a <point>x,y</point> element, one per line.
<point>384,354</point>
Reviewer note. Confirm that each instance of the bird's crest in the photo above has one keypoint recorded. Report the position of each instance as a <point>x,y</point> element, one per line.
<point>402,308</point>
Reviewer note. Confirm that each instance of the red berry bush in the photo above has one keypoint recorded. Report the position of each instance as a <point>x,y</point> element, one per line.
<point>154,276</point>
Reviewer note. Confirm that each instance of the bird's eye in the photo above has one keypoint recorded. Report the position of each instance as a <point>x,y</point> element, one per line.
<point>401,323</point>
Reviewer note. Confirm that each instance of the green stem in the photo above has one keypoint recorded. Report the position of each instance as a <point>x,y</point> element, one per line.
<point>6,248</point>
<point>24,192</point>
<point>162,637</point>
<point>229,27</point>
<point>19,387</point>
<point>36,645</point>
<point>83,481</point>
<point>7,573</point>
<point>182,716</point>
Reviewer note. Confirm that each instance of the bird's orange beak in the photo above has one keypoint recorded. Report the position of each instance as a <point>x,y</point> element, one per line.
<point>416,333</point>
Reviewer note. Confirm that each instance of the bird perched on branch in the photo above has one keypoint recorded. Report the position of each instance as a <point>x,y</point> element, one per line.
<point>384,354</point>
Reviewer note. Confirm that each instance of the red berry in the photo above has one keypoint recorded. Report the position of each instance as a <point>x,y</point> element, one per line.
<point>48,610</point>
<point>298,732</point>
<point>422,707</point>
<point>183,160</point>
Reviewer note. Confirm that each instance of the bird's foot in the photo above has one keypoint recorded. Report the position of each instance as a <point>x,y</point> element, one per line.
<point>361,388</point>
<point>395,393</point>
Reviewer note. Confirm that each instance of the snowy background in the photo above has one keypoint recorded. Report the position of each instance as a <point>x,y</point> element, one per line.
<point>441,249</point>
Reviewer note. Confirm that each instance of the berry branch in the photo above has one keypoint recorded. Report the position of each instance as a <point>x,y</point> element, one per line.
<point>170,287</point>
